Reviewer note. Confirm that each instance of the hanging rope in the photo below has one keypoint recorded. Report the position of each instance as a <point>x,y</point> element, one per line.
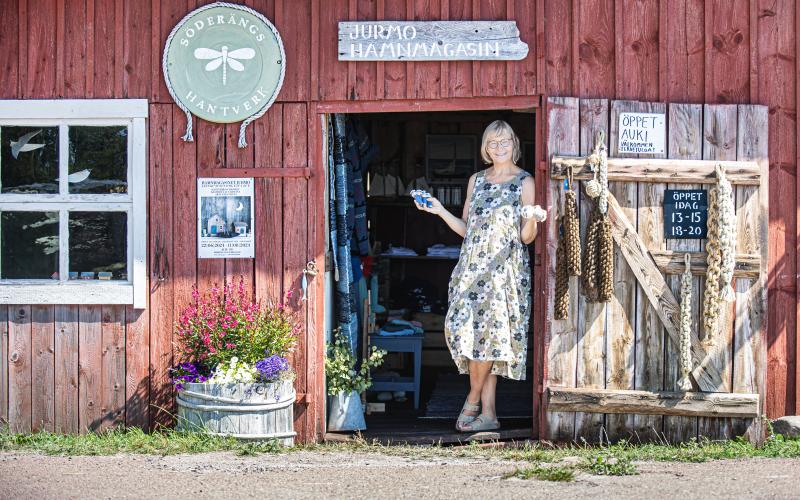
<point>561,307</point>
<point>597,279</point>
<point>727,234</point>
<point>572,234</point>
<point>685,384</point>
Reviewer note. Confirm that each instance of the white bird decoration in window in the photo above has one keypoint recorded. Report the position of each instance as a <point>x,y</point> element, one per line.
<point>79,176</point>
<point>22,145</point>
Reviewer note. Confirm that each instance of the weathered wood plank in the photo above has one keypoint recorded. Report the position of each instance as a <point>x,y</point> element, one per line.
<point>593,47</point>
<point>19,376</point>
<point>76,32</point>
<point>137,370</point>
<point>10,53</point>
<point>749,354</point>
<point>681,49</point>
<point>719,404</point>
<point>137,29</point>
<point>591,322</point>
<point>684,142</point>
<point>161,255</point>
<point>4,363</point>
<point>332,73</point>
<point>621,309</point>
<point>40,57</point>
<point>649,346</point>
<point>658,171</point>
<point>727,60</point>
<point>748,265</point>
<point>719,143</point>
<point>707,374</point>
<point>636,50</point>
<point>66,369</point>
<point>90,347</point>
<point>558,35</point>
<point>560,335</point>
<point>459,72</point>
<point>292,19</point>
<point>238,159</point>
<point>43,369</point>
<point>112,399</point>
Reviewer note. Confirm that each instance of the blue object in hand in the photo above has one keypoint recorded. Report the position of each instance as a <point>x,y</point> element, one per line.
<point>421,197</point>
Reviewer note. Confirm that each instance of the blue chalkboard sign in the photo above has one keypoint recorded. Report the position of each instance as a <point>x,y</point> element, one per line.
<point>685,213</point>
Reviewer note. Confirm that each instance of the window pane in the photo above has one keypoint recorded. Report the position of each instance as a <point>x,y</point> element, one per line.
<point>98,160</point>
<point>29,242</point>
<point>98,245</point>
<point>29,159</point>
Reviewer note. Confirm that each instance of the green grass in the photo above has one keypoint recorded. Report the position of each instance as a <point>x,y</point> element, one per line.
<point>610,459</point>
<point>562,474</point>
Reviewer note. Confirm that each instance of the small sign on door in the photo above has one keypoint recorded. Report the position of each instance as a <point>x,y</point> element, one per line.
<point>642,133</point>
<point>685,213</point>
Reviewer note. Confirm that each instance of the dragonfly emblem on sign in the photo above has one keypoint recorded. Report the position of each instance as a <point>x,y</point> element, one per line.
<point>224,59</point>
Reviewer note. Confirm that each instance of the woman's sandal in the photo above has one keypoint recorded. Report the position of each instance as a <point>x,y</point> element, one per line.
<point>463,418</point>
<point>482,423</point>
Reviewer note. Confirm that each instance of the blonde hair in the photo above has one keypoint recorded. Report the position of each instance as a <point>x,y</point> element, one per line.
<point>496,128</point>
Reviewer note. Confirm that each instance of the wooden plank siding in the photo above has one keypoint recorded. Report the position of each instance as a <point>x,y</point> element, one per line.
<point>682,51</point>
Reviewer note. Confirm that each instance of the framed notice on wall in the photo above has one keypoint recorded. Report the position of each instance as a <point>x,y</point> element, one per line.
<point>685,213</point>
<point>225,218</point>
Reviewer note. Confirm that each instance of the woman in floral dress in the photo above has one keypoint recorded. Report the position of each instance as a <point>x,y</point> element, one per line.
<point>489,293</point>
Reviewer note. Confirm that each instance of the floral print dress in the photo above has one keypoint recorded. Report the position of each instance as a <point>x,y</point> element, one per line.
<point>489,292</point>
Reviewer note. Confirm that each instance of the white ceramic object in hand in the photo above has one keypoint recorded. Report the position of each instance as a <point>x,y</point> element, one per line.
<point>534,211</point>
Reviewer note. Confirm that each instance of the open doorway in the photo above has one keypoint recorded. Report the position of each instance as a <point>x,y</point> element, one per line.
<point>402,260</point>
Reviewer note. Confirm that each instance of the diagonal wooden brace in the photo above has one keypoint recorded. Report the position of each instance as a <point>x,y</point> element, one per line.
<point>648,275</point>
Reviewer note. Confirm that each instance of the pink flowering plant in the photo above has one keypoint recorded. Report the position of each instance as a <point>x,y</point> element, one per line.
<point>226,336</point>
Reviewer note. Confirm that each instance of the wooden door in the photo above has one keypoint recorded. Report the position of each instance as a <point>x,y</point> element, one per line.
<point>611,369</point>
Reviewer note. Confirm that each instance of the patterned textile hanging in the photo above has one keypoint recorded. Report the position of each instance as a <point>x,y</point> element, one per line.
<point>685,384</point>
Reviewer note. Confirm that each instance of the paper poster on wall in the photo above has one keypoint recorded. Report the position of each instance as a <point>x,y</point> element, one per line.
<point>225,218</point>
<point>642,133</point>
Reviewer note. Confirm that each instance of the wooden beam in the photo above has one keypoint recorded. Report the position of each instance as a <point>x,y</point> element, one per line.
<point>697,404</point>
<point>429,105</point>
<point>263,173</point>
<point>659,170</point>
<point>655,287</point>
<point>671,262</point>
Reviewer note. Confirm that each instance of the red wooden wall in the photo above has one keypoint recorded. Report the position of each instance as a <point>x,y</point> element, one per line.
<point>734,51</point>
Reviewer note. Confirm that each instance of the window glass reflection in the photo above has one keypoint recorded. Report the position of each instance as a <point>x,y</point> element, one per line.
<point>98,160</point>
<point>29,162</point>
<point>29,245</point>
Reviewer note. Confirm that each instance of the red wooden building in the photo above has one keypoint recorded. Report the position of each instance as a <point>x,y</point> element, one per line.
<point>68,368</point>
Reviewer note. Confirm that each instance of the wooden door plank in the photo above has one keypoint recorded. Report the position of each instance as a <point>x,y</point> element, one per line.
<point>19,374</point>
<point>749,354</point>
<point>295,238</point>
<point>621,324</point>
<point>657,170</point>
<point>560,349</point>
<point>748,265</point>
<point>43,369</point>
<point>649,347</point>
<point>269,196</point>
<point>66,369</point>
<point>685,141</point>
<point>90,347</point>
<point>719,143</point>
<point>112,399</point>
<point>591,322</point>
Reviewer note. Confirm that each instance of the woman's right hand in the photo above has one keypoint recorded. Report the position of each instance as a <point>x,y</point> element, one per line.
<point>436,207</point>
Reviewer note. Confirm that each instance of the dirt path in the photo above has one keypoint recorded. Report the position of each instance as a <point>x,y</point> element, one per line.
<point>361,475</point>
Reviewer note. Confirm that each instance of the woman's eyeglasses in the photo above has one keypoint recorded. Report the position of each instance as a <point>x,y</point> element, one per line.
<point>495,144</point>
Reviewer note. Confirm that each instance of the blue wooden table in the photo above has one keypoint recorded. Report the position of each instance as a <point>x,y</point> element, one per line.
<point>400,343</point>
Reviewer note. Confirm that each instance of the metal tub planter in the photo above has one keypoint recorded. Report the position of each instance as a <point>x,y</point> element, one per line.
<point>257,412</point>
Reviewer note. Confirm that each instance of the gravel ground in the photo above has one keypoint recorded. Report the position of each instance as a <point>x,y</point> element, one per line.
<point>363,475</point>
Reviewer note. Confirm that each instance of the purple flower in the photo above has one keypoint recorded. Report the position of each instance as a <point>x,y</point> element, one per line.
<point>269,368</point>
<point>186,373</point>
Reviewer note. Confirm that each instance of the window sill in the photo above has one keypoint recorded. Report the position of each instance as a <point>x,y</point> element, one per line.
<point>67,293</point>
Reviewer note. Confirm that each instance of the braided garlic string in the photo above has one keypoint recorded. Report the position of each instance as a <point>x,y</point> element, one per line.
<point>727,234</point>
<point>686,326</point>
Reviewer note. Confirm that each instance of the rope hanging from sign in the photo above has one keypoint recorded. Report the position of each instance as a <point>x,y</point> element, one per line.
<point>685,384</point>
<point>720,248</point>
<point>572,235</point>
<point>597,278</point>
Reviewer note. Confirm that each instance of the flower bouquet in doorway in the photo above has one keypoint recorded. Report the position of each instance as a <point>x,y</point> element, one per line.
<point>346,382</point>
<point>235,378</point>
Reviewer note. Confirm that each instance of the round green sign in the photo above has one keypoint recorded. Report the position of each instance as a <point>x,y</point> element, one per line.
<point>224,63</point>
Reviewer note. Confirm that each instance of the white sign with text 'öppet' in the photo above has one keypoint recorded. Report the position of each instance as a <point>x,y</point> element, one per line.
<point>642,133</point>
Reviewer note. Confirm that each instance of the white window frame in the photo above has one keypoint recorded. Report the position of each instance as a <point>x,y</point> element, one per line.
<point>63,113</point>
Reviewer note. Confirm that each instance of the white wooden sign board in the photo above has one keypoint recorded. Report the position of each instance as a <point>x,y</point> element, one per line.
<point>642,133</point>
<point>430,41</point>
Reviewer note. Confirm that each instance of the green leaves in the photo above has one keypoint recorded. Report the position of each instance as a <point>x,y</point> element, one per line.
<point>340,366</point>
